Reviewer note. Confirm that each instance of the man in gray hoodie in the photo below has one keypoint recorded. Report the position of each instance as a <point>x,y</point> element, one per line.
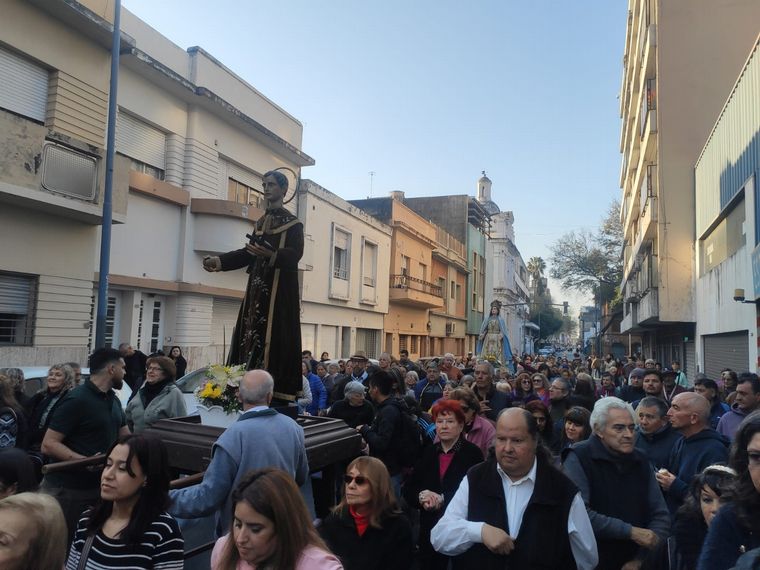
<point>747,401</point>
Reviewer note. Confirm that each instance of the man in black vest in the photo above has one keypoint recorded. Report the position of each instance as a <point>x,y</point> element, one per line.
<point>516,510</point>
<point>627,510</point>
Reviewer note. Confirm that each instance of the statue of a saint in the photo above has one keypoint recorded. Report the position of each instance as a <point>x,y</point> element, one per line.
<point>493,343</point>
<point>268,328</point>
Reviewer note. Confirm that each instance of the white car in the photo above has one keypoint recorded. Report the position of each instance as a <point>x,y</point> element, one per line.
<point>35,379</point>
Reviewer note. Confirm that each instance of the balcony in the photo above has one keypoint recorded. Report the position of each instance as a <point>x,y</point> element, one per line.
<point>221,225</point>
<point>414,292</point>
<point>649,308</point>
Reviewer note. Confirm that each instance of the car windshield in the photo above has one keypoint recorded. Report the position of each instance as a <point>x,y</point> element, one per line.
<point>189,382</point>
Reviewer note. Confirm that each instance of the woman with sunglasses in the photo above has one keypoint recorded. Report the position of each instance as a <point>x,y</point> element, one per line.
<point>477,429</point>
<point>271,528</point>
<point>541,387</point>
<point>129,527</point>
<point>523,392</point>
<point>367,529</point>
<point>437,475</point>
<point>736,527</point>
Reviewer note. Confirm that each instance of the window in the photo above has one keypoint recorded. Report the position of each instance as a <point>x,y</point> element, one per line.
<point>404,265</point>
<point>23,86</point>
<point>423,272</point>
<point>240,184</point>
<point>442,283</point>
<point>243,194</point>
<point>143,144</point>
<point>17,301</point>
<point>459,292</point>
<point>367,340</point>
<point>341,241</point>
<point>726,239</point>
<point>415,344</point>
<point>402,342</point>
<point>452,293</point>
<point>369,264</point>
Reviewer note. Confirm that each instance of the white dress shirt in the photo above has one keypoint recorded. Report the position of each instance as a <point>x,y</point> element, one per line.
<point>454,534</point>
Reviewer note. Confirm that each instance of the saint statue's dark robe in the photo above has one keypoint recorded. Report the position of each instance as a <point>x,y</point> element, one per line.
<point>268,330</point>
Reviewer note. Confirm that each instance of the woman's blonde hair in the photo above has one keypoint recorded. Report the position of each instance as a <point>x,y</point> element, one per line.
<point>383,502</point>
<point>47,548</point>
<point>69,376</point>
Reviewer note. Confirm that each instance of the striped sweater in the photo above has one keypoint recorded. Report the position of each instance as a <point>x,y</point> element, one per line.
<point>161,547</point>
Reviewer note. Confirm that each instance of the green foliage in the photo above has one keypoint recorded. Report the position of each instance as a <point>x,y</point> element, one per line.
<point>591,262</point>
<point>548,318</point>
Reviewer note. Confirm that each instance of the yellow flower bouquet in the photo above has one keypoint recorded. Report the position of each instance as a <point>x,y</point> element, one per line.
<point>221,387</point>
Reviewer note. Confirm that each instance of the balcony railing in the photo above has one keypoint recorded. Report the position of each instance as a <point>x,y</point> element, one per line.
<point>408,282</point>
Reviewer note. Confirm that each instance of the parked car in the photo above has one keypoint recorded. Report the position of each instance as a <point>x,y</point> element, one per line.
<point>188,384</point>
<point>35,379</point>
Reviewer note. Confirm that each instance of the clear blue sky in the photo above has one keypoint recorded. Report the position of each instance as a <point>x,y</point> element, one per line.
<point>427,93</point>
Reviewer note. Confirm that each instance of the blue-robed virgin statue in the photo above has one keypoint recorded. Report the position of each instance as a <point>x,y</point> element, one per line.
<point>493,342</point>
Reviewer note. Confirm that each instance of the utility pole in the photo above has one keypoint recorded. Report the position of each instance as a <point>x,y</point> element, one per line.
<point>371,182</point>
<point>105,239</point>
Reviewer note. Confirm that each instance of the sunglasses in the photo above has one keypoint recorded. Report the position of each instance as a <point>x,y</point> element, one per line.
<point>359,479</point>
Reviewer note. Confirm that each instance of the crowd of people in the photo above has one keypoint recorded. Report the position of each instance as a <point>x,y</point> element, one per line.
<point>549,462</point>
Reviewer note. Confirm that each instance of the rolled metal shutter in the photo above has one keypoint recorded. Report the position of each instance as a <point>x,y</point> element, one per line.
<point>244,176</point>
<point>729,350</point>
<point>16,294</point>
<point>23,86</point>
<point>140,141</point>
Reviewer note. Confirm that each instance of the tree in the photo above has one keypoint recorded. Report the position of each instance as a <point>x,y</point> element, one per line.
<point>548,319</point>
<point>591,262</point>
<point>536,267</point>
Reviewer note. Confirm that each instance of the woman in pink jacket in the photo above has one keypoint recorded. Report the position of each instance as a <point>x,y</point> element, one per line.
<point>477,429</point>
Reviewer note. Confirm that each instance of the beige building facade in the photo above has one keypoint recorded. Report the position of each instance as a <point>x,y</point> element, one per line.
<point>193,140</point>
<point>346,261</point>
<point>681,58</point>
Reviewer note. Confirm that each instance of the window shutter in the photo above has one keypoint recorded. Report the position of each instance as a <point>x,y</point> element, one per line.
<point>140,141</point>
<point>244,176</point>
<point>15,294</point>
<point>23,86</point>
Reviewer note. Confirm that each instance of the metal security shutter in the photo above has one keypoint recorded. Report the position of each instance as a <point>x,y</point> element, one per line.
<point>23,86</point>
<point>689,366</point>
<point>140,141</point>
<point>726,351</point>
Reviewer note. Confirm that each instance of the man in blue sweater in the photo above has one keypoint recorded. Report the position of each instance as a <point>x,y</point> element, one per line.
<point>701,446</point>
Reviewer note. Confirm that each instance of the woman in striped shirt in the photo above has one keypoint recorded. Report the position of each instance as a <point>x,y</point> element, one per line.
<point>129,526</point>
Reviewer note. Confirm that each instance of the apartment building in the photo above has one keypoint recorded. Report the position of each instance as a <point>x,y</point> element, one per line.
<point>449,322</point>
<point>411,294</point>
<point>467,220</point>
<point>681,58</point>
<point>727,253</point>
<point>346,260</point>
<point>193,140</point>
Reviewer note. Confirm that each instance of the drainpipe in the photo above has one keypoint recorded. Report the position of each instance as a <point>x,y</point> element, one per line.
<point>105,235</point>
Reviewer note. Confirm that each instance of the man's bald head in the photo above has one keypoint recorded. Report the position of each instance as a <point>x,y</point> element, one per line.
<point>689,413</point>
<point>256,388</point>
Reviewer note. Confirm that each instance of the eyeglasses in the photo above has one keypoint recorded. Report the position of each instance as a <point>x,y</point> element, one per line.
<point>360,480</point>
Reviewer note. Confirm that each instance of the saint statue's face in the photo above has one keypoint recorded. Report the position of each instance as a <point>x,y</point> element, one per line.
<point>272,191</point>
<point>494,311</point>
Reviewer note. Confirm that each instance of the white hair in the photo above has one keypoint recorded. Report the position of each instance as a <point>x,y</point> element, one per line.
<point>602,409</point>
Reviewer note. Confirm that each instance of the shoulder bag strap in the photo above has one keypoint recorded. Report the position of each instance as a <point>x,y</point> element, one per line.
<point>86,551</point>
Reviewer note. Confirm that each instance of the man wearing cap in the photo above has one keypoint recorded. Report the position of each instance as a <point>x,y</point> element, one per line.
<point>670,389</point>
<point>634,390</point>
<point>430,389</point>
<point>359,363</point>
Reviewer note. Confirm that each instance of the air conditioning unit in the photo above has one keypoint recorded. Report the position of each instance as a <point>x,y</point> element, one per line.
<point>451,328</point>
<point>68,171</point>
